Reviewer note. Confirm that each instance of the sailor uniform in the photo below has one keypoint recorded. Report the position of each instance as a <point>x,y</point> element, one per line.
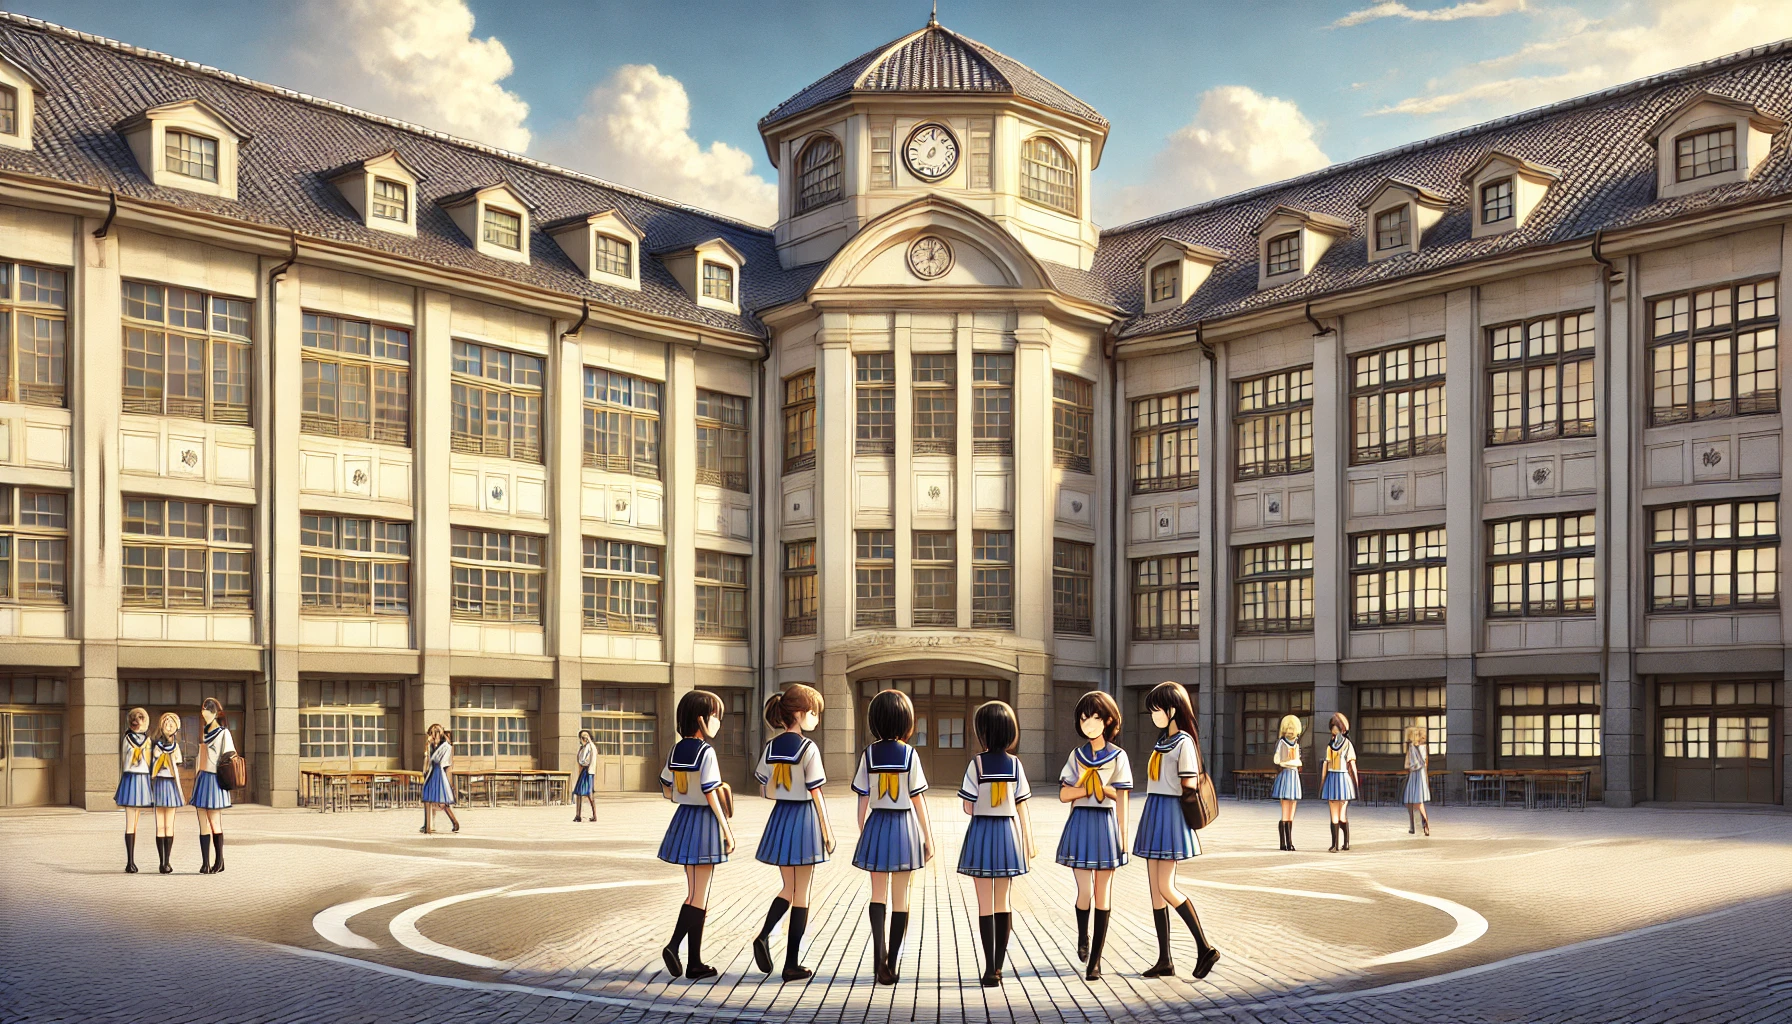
<point>587,760</point>
<point>1091,838</point>
<point>996,785</point>
<point>890,775</point>
<point>133,780</point>
<point>1418,783</point>
<point>1163,832</point>
<point>1287,785</point>
<point>164,758</point>
<point>436,789</point>
<point>1338,756</point>
<point>790,770</point>
<point>695,834</point>
<point>206,791</point>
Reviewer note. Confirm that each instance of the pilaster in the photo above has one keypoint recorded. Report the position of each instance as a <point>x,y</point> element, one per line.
<point>431,624</point>
<point>94,382</point>
<point>1463,533</point>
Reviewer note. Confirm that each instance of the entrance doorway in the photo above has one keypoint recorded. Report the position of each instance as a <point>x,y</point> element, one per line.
<point>32,709</point>
<point>736,754</point>
<point>1717,742</point>
<point>943,738</point>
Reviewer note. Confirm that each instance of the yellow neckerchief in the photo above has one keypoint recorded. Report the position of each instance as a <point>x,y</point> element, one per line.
<point>163,759</point>
<point>781,776</point>
<point>1334,758</point>
<point>998,792</point>
<point>889,784</point>
<point>684,784</point>
<point>137,752</point>
<point>1090,782</point>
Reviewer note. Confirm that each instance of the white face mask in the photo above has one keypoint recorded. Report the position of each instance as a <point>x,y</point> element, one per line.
<point>1093,727</point>
<point>1160,718</point>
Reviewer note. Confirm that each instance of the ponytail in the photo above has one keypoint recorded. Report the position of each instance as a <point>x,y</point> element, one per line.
<point>783,710</point>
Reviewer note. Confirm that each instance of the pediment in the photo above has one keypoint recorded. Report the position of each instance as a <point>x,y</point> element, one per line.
<point>978,253</point>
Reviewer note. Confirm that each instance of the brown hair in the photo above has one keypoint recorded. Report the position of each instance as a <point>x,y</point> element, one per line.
<point>1340,723</point>
<point>1096,704</point>
<point>783,710</point>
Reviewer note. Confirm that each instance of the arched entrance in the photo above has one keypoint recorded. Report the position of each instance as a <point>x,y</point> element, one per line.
<point>943,705</point>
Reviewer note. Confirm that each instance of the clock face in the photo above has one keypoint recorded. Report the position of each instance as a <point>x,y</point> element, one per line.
<point>931,152</point>
<point>929,257</point>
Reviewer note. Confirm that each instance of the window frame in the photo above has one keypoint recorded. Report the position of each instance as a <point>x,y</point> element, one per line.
<point>1503,203</point>
<point>381,203</point>
<point>933,397</point>
<point>992,403</point>
<point>799,421</point>
<point>874,403</point>
<point>623,720</point>
<point>723,581</point>
<point>1166,597</point>
<point>353,708</point>
<point>992,579</point>
<point>724,441</point>
<point>1392,389</point>
<point>1684,351</point>
<point>718,286</point>
<point>494,229</point>
<point>802,588</point>
<point>178,157</point>
<point>1153,437</point>
<point>1548,331</point>
<point>237,352</point>
<point>1551,710</point>
<point>16,533</point>
<point>1073,422</point>
<point>1403,228</point>
<point>1047,183</point>
<point>933,578</point>
<point>1284,583</point>
<point>471,597</point>
<point>520,444</point>
<point>613,572</point>
<point>1553,550</point>
<point>1687,157</point>
<point>386,376</point>
<point>53,317</point>
<point>1683,518</point>
<point>238,584</point>
<point>1282,251</point>
<point>1418,574</point>
<point>1073,588</point>
<point>479,725</point>
<point>874,579</point>
<point>393,572</point>
<point>820,177</point>
<point>612,255</point>
<point>621,406</point>
<point>9,110</point>
<point>1256,411</point>
<point>1384,712</point>
<point>1166,281</point>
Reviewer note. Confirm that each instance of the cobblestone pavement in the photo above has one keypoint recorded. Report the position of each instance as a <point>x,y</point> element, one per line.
<point>1648,915</point>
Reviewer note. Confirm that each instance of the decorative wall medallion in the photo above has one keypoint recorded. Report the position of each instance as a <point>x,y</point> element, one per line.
<point>497,492</point>
<point>934,492</point>
<point>1076,506</point>
<point>622,504</point>
<point>796,506</point>
<point>931,152</point>
<point>1540,475</point>
<point>1275,506</point>
<point>1163,522</point>
<point>1396,492</point>
<point>1711,457</point>
<point>360,478</point>
<point>929,257</point>
<point>189,458</point>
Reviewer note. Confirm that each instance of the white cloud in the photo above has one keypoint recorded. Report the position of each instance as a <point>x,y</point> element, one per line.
<point>1574,54</point>
<point>1393,9</point>
<point>412,59</point>
<point>1238,138</point>
<point>636,130</point>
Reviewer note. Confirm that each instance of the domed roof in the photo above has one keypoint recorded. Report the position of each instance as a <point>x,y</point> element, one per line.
<point>934,60</point>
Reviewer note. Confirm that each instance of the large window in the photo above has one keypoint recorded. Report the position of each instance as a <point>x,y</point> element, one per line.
<point>1262,712</point>
<point>1715,353</point>
<point>494,725</point>
<point>351,724</point>
<point>621,586</point>
<point>186,354</point>
<point>497,575</point>
<point>1398,400</point>
<point>936,404</point>
<point>357,379</point>
<point>818,173</point>
<point>503,228</point>
<point>181,696</point>
<point>1047,174</point>
<point>1165,430</point>
<point>190,155</point>
<point>186,554</point>
<point>354,566</point>
<point>718,282</point>
<point>1275,588</point>
<point>1073,588</point>
<point>992,403</point>
<point>9,110</point>
<point>721,595</point>
<point>614,255</point>
<point>497,402</point>
<point>1397,577</point>
<point>802,595</point>
<point>1284,254</point>
<point>1549,721</point>
<point>1166,598</point>
<point>622,423</point>
<point>992,579</point>
<point>623,719</point>
<point>1541,566</point>
<point>1542,379</point>
<point>1723,554</point>
<point>799,422</point>
<point>1073,421</point>
<point>874,387</point>
<point>722,440</point>
<point>33,545</point>
<point>874,578</point>
<point>1703,153</point>
<point>1274,424</point>
<point>33,335</point>
<point>934,564</point>
<point>1384,712</point>
<point>1393,228</point>
<point>883,166</point>
<point>1731,721</point>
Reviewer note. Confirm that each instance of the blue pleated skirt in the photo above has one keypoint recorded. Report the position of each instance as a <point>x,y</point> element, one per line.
<point>992,848</point>
<point>208,794</point>
<point>792,835</point>
<point>1163,832</point>
<point>890,841</point>
<point>1418,788</point>
<point>166,792</point>
<point>583,788</point>
<point>694,837</point>
<point>1091,840</point>
<point>436,789</point>
<point>133,791</point>
<point>1287,785</point>
<point>1338,787</point>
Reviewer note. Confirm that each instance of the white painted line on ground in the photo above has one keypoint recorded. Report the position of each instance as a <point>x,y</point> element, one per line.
<point>1308,893</point>
<point>404,929</point>
<point>1469,927</point>
<point>590,886</point>
<point>332,922</point>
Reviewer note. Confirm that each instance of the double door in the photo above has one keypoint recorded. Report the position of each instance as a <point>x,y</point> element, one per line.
<point>1717,741</point>
<point>30,758</point>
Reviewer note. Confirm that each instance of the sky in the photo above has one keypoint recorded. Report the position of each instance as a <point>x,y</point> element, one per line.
<point>1205,98</point>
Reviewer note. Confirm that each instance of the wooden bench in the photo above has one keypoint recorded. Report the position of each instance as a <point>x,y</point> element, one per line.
<point>1530,788</point>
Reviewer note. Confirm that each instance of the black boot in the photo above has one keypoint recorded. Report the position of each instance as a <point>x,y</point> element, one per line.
<point>1334,848</point>
<point>1205,955</point>
<point>1082,934</point>
<point>1288,830</point>
<point>1004,926</point>
<point>130,853</point>
<point>674,966</point>
<point>986,927</point>
<point>165,848</point>
<point>762,946</point>
<point>696,969</point>
<point>1344,827</point>
<point>1164,967</point>
<point>799,923</point>
<point>879,951</point>
<point>1101,938</point>
<point>1281,835</point>
<point>205,853</point>
<point>898,927</point>
<point>218,852</point>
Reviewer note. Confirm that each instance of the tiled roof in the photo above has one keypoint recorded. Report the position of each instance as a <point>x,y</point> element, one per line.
<point>934,60</point>
<point>1600,142</point>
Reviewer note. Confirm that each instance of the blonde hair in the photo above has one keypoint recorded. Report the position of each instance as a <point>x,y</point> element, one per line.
<point>1416,733</point>
<point>1290,724</point>
<point>137,715</point>
<point>168,725</point>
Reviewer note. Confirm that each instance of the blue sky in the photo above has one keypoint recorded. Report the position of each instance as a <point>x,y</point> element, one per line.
<point>1205,98</point>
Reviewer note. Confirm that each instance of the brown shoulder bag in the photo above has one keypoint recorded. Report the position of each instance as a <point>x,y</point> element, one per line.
<point>1201,805</point>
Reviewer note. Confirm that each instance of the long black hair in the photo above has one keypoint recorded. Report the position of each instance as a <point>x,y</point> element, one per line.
<point>1173,698</point>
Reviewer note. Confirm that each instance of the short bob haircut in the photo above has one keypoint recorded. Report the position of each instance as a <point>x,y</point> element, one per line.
<point>996,727</point>
<point>1416,734</point>
<point>213,705</point>
<point>1173,698</point>
<point>694,708</point>
<point>138,715</point>
<point>1096,704</point>
<point>1340,723</point>
<point>783,710</point>
<point>1290,727</point>
<point>891,716</point>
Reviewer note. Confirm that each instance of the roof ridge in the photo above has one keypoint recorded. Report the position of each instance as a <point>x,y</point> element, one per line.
<point>343,108</point>
<point>878,56</point>
<point>1669,77</point>
<point>993,54</point>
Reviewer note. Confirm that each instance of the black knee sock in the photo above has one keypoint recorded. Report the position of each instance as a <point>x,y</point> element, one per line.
<point>1344,826</point>
<point>986,927</point>
<point>1334,835</point>
<point>1099,939</point>
<point>218,850</point>
<point>130,848</point>
<point>205,851</point>
<point>898,925</point>
<point>1161,919</point>
<point>695,937</point>
<point>1004,921</point>
<point>1187,913</point>
<point>1082,925</point>
<point>162,850</point>
<point>683,927</point>
<point>773,916</point>
<point>799,922</point>
<point>879,950</point>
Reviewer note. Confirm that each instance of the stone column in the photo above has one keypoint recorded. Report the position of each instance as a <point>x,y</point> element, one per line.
<point>1330,585</point>
<point>834,446</point>
<point>1213,443</point>
<point>278,721</point>
<point>432,356</point>
<point>1033,499</point>
<point>902,479</point>
<point>1618,362</point>
<point>964,501</point>
<point>560,707</point>
<point>1463,535</point>
<point>678,451</point>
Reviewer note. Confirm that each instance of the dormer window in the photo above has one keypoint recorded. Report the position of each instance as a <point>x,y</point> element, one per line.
<point>1393,228</point>
<point>189,145</point>
<point>718,282</point>
<point>1710,140</point>
<point>391,200</point>
<point>504,228</point>
<point>382,190</point>
<point>818,173</point>
<point>18,93</point>
<point>194,156</point>
<point>1703,153</point>
<point>707,272</point>
<point>9,110</point>
<point>612,255</point>
<point>1163,282</point>
<point>1284,254</point>
<point>1506,190</point>
<point>1496,201</point>
<point>1047,174</point>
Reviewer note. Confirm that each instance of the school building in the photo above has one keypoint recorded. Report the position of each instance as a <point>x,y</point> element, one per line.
<point>359,427</point>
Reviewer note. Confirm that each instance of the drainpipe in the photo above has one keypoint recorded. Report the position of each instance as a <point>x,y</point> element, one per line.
<point>269,463</point>
<point>1110,352</point>
<point>766,562</point>
<point>1209,569</point>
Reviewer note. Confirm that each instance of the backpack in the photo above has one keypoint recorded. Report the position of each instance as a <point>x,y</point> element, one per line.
<point>233,771</point>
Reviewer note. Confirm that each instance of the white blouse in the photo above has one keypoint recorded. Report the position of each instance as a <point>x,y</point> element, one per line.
<point>1112,772</point>
<point>164,758</point>
<point>134,757</point>
<point>691,771</point>
<point>587,754</point>
<point>212,748</point>
<point>995,784</point>
<point>790,767</point>
<point>1338,753</point>
<point>899,778</point>
<point>1417,758</point>
<point>1172,760</point>
<point>1287,753</point>
<point>442,756</point>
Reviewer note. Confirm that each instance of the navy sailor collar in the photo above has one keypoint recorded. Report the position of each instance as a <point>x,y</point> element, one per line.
<point>1168,742</point>
<point>997,766</point>
<point>786,748</point>
<point>1087,755</point>
<point>687,754</point>
<point>889,756</point>
<point>137,739</point>
<point>212,733</point>
<point>1338,741</point>
<point>163,743</point>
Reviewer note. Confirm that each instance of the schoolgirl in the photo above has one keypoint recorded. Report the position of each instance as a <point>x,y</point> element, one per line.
<point>1418,781</point>
<point>698,837</point>
<point>1096,780</point>
<point>438,779</point>
<point>995,793</point>
<point>1287,787</point>
<point>895,837</point>
<point>581,792</point>
<point>1340,779</point>
<point>164,783</point>
<point>210,799</point>
<point>133,782</point>
<point>1164,836</point>
<point>798,835</point>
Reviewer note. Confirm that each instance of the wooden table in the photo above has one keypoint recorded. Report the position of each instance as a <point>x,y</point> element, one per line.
<point>519,786</point>
<point>1530,788</point>
<point>333,790</point>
